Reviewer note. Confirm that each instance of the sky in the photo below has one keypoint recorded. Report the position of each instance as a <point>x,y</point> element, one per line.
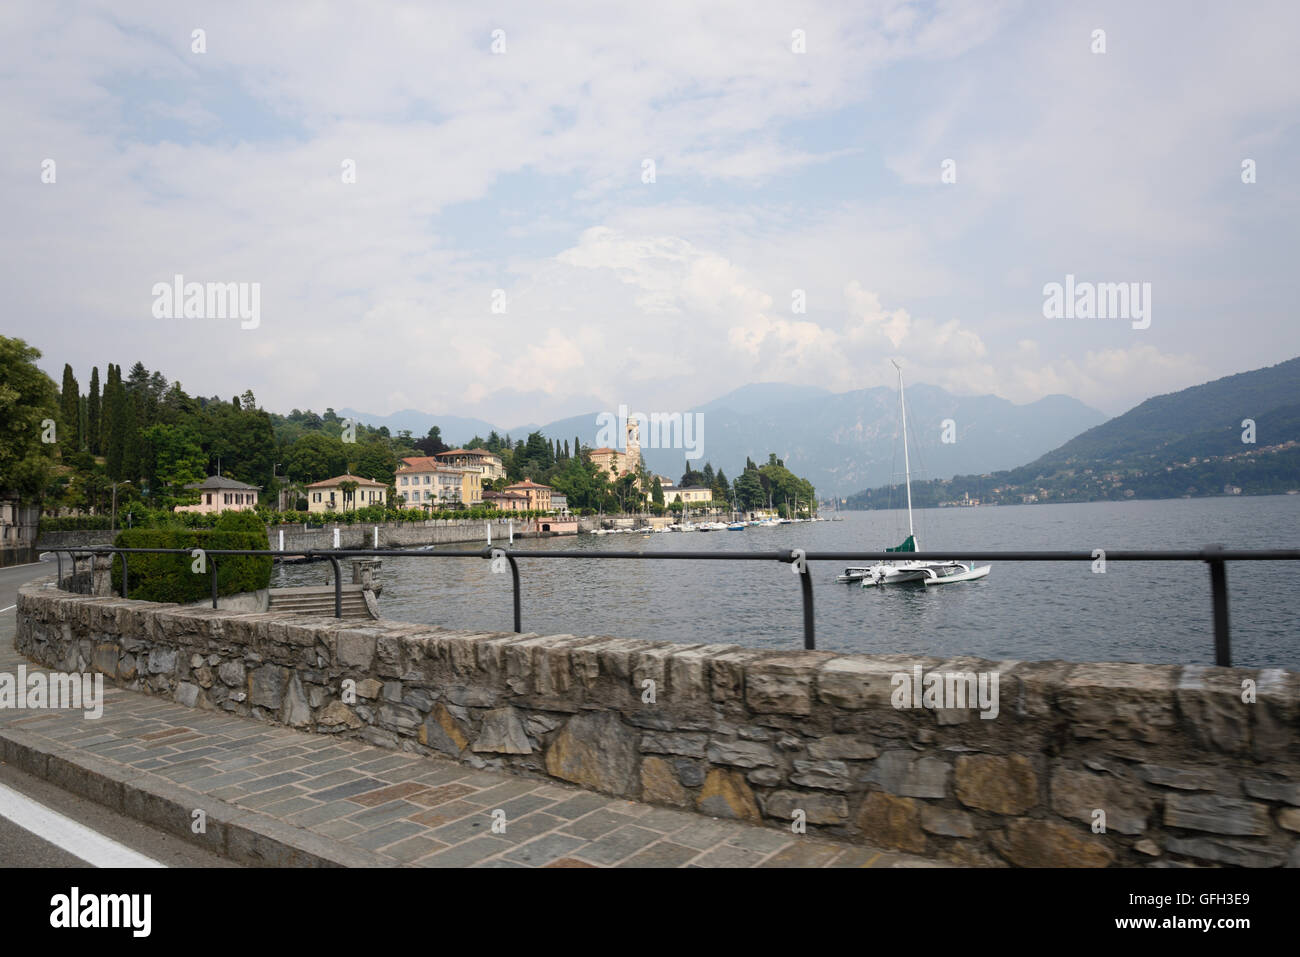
<point>912,174</point>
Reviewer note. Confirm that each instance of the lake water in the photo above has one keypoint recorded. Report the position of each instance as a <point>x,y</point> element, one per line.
<point>1147,612</point>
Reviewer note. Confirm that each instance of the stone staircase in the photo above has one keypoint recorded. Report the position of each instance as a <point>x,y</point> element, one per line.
<point>318,600</point>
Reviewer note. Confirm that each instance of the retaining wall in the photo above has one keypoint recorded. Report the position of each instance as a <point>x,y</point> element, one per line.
<point>1182,764</point>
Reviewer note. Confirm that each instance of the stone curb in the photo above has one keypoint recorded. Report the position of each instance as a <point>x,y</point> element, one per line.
<point>235,833</point>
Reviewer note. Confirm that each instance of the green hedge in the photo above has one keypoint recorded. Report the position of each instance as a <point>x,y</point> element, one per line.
<point>171,578</point>
<point>75,523</point>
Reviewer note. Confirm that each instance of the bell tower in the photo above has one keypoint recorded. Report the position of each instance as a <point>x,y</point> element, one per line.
<point>633,444</point>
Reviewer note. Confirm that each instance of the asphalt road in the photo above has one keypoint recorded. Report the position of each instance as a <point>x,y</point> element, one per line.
<point>15,575</point>
<point>44,826</point>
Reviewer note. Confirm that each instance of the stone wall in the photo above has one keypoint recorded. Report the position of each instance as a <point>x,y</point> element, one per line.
<point>1183,769</point>
<point>78,539</point>
<point>397,534</point>
<point>391,534</point>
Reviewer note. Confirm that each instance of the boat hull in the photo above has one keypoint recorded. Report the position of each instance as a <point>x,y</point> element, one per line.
<point>970,574</point>
<point>928,573</point>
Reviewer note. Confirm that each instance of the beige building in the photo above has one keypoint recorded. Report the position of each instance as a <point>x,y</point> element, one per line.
<point>217,493</point>
<point>424,482</point>
<point>506,501</point>
<point>328,496</point>
<point>537,497</point>
<point>689,494</point>
<point>621,462</point>
<point>488,463</point>
<point>611,460</point>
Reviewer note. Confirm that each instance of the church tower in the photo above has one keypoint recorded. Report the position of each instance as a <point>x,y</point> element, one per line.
<point>633,460</point>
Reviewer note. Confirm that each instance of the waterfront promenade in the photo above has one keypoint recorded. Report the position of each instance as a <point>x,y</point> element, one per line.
<point>278,797</point>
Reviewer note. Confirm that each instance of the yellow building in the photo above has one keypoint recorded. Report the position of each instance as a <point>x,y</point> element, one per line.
<point>488,463</point>
<point>424,482</point>
<point>328,496</point>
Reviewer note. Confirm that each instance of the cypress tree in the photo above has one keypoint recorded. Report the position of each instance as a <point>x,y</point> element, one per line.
<point>70,413</point>
<point>106,411</point>
<point>116,404</point>
<point>92,413</point>
<point>130,439</point>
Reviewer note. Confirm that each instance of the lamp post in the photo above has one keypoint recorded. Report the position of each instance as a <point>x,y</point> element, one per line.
<point>112,525</point>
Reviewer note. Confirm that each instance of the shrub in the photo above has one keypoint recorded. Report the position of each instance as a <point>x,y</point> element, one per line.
<point>171,578</point>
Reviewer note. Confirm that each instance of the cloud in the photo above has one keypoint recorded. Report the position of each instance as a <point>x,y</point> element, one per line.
<point>776,171</point>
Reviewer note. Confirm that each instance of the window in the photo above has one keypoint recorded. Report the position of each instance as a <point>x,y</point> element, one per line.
<point>403,479</point>
<point>227,501</point>
<point>209,498</point>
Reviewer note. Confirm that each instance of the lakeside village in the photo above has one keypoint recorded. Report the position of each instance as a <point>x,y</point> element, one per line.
<point>140,453</point>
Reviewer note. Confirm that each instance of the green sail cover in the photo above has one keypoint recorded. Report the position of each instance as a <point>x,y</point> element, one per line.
<point>909,545</point>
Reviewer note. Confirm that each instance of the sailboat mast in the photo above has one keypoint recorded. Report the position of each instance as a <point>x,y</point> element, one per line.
<point>907,465</point>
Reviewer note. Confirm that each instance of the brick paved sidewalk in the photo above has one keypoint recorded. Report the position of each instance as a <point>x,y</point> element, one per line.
<point>379,806</point>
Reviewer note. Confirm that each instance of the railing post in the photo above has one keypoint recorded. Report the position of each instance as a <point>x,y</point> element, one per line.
<point>125,586</point>
<point>809,628</point>
<point>338,587</point>
<point>514,574</point>
<point>58,557</point>
<point>1219,594</point>
<point>213,562</point>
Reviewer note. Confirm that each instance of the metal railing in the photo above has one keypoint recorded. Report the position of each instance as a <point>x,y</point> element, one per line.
<point>1214,556</point>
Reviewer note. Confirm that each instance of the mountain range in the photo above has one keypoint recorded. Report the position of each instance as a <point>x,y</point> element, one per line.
<point>1240,432</point>
<point>840,442</point>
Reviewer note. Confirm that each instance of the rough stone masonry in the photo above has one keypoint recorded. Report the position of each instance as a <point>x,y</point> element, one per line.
<point>1182,769</point>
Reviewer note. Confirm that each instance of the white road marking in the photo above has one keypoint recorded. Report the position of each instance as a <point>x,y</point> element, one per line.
<point>64,833</point>
<point>6,609</point>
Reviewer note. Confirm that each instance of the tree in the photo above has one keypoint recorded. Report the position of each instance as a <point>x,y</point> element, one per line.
<point>92,413</point>
<point>69,413</point>
<point>348,488</point>
<point>27,398</point>
<point>83,427</point>
<point>131,445</point>
<point>721,488</point>
<point>657,492</point>
<point>432,443</point>
<point>176,459</point>
<point>315,457</point>
<point>749,490</point>
<point>376,460</point>
<point>115,403</point>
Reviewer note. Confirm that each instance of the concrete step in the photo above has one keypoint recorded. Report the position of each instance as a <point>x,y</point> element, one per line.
<point>318,600</point>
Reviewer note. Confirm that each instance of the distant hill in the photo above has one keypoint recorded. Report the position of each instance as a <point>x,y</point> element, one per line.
<point>1203,420</point>
<point>456,430</point>
<point>1187,443</point>
<point>838,441</point>
<point>842,441</point>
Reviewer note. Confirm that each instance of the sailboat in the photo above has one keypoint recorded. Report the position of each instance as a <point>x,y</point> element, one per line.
<point>897,571</point>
